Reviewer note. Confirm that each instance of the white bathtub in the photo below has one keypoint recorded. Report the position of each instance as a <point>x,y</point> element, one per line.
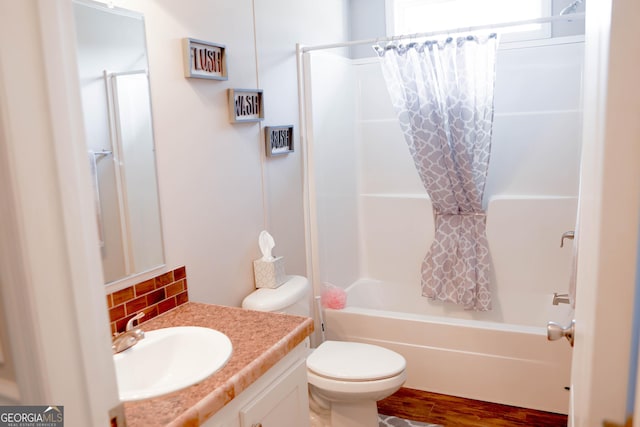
<point>506,363</point>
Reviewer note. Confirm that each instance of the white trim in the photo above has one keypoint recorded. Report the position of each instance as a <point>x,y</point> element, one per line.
<point>136,278</point>
<point>102,5</point>
<point>92,333</point>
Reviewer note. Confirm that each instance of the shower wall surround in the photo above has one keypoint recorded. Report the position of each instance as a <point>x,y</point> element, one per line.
<point>374,218</point>
<point>153,297</point>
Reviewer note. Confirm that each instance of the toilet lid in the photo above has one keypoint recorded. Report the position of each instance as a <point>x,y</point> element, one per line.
<point>353,361</point>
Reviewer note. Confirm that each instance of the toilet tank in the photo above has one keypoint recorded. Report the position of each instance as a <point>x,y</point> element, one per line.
<point>292,297</point>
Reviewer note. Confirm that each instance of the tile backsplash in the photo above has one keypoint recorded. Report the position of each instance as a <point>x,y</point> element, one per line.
<point>154,296</point>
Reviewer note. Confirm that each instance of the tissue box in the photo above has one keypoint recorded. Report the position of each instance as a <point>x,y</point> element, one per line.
<point>269,274</point>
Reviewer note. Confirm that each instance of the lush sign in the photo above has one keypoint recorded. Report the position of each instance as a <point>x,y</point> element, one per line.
<point>204,60</point>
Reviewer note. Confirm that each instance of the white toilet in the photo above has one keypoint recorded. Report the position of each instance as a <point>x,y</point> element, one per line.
<point>345,378</point>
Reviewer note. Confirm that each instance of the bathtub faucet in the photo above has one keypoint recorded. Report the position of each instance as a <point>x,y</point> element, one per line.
<point>561,298</point>
<point>567,235</point>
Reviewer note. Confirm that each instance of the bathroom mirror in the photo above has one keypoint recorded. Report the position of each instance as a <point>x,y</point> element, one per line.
<point>113,70</point>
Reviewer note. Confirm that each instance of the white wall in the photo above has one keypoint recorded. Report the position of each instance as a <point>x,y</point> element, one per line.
<point>278,22</point>
<point>368,21</point>
<point>217,190</point>
<point>531,188</point>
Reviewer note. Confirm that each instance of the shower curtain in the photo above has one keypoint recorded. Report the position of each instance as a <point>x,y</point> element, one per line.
<point>442,92</point>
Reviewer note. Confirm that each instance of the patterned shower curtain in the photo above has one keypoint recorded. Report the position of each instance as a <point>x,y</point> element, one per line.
<point>442,92</point>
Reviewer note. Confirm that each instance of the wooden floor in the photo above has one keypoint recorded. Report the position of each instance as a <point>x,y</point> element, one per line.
<point>452,411</point>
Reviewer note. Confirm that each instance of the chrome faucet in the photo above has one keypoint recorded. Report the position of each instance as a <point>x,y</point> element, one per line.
<point>561,299</point>
<point>567,235</point>
<point>129,337</point>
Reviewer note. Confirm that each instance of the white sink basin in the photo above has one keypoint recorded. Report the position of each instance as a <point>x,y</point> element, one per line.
<point>170,359</point>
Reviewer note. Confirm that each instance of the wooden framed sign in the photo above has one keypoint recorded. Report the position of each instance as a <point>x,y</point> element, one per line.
<point>204,60</point>
<point>245,105</point>
<point>279,140</point>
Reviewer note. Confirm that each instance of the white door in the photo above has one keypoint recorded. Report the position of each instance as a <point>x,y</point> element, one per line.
<point>609,212</point>
<point>51,285</point>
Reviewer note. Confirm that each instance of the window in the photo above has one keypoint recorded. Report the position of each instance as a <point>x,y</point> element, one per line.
<point>419,16</point>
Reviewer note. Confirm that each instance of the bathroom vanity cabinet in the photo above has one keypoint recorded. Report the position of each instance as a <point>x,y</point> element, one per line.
<point>264,383</point>
<point>277,399</point>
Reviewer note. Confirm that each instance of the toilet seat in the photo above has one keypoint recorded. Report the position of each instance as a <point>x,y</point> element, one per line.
<point>358,390</point>
<point>354,362</point>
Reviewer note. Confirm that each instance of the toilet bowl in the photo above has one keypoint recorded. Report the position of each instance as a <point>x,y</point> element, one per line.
<point>345,378</point>
<point>351,377</point>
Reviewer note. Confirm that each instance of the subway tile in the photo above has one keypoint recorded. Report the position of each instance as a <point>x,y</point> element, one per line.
<point>123,295</point>
<point>164,279</point>
<point>136,305</point>
<point>149,313</point>
<point>145,287</point>
<point>182,298</point>
<point>166,305</point>
<point>116,312</point>
<point>155,296</point>
<point>179,273</point>
<point>175,288</point>
<point>121,325</point>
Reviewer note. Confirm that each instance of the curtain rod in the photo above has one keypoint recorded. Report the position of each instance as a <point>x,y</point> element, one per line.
<point>542,20</point>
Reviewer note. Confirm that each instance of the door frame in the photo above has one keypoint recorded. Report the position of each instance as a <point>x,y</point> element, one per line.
<point>52,291</point>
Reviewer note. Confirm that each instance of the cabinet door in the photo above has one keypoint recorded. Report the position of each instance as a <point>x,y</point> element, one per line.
<point>284,403</point>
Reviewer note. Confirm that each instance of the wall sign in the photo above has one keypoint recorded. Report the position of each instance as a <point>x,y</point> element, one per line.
<point>204,60</point>
<point>245,105</point>
<point>279,140</point>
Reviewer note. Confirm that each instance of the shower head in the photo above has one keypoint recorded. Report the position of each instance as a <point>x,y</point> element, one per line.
<point>572,7</point>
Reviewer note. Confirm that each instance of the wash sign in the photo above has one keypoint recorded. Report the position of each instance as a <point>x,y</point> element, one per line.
<point>245,105</point>
<point>31,416</point>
